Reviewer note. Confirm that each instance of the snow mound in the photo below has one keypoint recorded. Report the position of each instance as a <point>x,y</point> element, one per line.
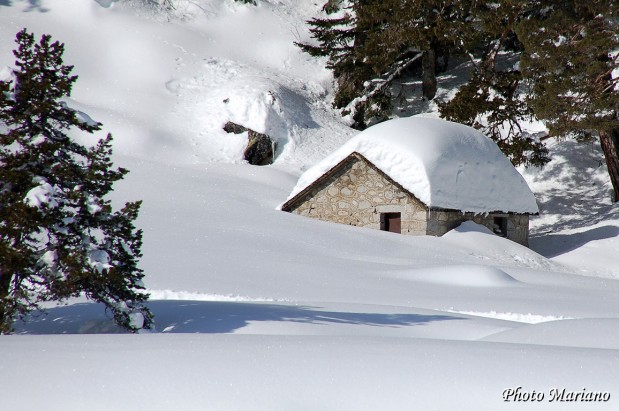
<point>472,227</point>
<point>164,82</point>
<point>590,252</point>
<point>584,332</point>
<point>193,296</point>
<point>488,247</point>
<point>270,103</point>
<point>464,276</point>
<point>231,91</point>
<point>105,3</point>
<point>528,318</point>
<point>444,164</point>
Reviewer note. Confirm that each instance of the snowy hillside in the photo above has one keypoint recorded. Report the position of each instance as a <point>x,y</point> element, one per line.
<point>257,309</point>
<point>165,89</point>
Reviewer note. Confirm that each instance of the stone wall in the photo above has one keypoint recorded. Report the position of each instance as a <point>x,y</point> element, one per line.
<point>356,194</point>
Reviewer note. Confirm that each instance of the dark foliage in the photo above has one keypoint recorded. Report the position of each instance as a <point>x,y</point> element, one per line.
<point>59,236</point>
<point>529,60</point>
<point>568,66</point>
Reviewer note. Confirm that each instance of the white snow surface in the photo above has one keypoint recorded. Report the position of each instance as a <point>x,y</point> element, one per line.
<point>443,164</point>
<point>257,309</point>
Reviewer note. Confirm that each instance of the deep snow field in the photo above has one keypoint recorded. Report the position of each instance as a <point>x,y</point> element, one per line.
<point>257,309</point>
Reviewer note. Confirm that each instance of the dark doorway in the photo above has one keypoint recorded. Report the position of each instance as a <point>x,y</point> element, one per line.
<point>500,226</point>
<point>391,222</point>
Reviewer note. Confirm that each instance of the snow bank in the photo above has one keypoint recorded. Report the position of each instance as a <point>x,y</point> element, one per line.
<point>582,332</point>
<point>592,251</point>
<point>464,276</point>
<point>193,296</point>
<point>227,90</point>
<point>528,318</point>
<point>486,246</point>
<point>444,164</point>
<point>579,224</point>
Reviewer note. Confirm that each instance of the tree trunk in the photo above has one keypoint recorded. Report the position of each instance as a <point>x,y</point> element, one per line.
<point>610,146</point>
<point>6,322</point>
<point>428,82</point>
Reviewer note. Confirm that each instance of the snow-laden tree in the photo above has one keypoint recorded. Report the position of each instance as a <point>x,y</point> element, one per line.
<point>371,44</point>
<point>571,61</point>
<point>59,236</point>
<point>555,61</point>
<point>492,100</point>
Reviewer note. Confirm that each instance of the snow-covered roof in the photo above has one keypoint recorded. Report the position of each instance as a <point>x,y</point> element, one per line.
<point>444,164</point>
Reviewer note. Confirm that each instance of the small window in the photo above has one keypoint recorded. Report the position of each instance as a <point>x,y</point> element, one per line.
<point>391,222</point>
<point>500,226</point>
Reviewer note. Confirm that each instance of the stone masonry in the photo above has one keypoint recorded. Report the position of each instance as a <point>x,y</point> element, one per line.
<point>357,193</point>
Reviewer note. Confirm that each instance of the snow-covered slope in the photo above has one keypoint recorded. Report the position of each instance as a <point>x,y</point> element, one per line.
<point>165,85</point>
<point>578,224</point>
<point>265,310</point>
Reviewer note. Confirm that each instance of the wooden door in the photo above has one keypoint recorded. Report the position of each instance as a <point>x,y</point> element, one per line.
<point>391,222</point>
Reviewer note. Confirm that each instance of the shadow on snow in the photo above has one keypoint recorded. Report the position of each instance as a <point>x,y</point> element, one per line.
<point>552,245</point>
<point>209,317</point>
<point>580,200</point>
<point>32,5</point>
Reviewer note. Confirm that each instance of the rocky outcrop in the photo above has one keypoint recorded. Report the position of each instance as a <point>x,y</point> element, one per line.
<point>260,150</point>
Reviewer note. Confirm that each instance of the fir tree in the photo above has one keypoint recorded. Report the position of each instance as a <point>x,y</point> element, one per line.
<point>492,99</point>
<point>341,39</point>
<point>529,59</point>
<point>407,31</point>
<point>570,55</point>
<point>374,43</point>
<point>59,236</point>
<point>378,42</point>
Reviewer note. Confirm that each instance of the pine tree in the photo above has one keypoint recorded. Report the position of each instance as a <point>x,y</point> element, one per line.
<point>409,31</point>
<point>341,39</point>
<point>570,55</point>
<point>379,42</point>
<point>530,60</point>
<point>59,236</point>
<point>491,100</point>
<point>376,43</point>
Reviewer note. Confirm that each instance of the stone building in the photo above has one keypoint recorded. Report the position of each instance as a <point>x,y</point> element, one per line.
<point>417,176</point>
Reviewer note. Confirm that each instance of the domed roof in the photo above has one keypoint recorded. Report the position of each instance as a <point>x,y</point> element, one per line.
<point>444,164</point>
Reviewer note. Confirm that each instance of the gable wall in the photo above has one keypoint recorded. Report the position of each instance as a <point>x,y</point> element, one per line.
<point>356,195</point>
